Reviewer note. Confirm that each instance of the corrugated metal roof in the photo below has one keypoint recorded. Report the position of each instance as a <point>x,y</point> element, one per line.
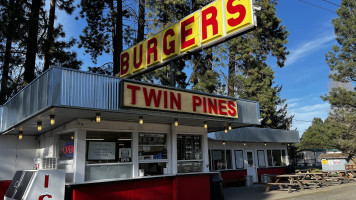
<point>334,155</point>
<point>255,134</point>
<point>67,88</point>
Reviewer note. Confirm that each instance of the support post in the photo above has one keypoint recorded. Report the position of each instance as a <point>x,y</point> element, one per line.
<point>172,73</point>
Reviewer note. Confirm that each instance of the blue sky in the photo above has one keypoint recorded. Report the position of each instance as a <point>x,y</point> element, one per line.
<point>305,74</point>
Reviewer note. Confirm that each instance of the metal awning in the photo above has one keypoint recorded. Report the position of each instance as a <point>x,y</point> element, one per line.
<point>255,134</point>
<point>71,94</point>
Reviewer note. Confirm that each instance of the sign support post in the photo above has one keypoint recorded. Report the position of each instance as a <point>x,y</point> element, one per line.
<point>172,66</point>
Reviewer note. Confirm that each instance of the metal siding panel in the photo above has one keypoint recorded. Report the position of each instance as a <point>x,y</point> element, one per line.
<point>89,90</point>
<point>254,134</point>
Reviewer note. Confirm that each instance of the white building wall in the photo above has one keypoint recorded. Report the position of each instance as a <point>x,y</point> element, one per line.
<point>16,155</point>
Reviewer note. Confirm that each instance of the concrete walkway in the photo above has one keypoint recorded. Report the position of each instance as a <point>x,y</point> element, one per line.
<point>344,191</point>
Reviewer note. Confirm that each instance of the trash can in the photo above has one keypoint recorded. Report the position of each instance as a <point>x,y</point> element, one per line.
<point>249,181</point>
<point>265,178</point>
<point>216,187</point>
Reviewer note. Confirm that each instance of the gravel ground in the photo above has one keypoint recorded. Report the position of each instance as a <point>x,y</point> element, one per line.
<point>345,191</point>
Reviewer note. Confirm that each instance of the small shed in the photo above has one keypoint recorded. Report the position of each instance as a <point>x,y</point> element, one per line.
<point>334,161</point>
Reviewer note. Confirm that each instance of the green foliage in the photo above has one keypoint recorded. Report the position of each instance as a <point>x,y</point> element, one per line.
<point>249,75</point>
<point>342,61</point>
<point>318,135</point>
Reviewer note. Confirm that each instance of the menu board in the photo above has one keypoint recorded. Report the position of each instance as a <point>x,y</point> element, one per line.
<point>101,150</point>
<point>188,147</point>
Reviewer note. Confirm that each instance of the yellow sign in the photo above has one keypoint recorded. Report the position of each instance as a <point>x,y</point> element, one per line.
<point>159,98</point>
<point>324,162</point>
<point>213,24</point>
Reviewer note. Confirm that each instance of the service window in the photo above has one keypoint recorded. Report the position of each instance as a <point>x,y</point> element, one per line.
<point>108,155</point>
<point>274,158</point>
<point>239,159</point>
<point>261,158</point>
<point>189,153</point>
<point>152,154</point>
<point>66,147</point>
<point>284,158</point>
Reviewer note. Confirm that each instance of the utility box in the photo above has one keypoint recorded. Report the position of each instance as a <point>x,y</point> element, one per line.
<point>37,184</point>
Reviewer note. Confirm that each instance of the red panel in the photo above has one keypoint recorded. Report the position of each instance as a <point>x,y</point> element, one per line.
<point>4,185</point>
<point>275,171</point>
<point>233,174</point>
<point>193,187</point>
<point>175,188</point>
<point>143,189</point>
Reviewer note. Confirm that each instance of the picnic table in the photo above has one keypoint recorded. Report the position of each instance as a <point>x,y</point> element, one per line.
<point>288,180</point>
<point>338,175</point>
<point>314,179</point>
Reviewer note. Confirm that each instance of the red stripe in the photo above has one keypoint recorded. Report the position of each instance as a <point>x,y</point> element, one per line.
<point>46,181</point>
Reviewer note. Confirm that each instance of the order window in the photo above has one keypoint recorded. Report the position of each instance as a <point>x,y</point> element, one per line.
<point>189,153</point>
<point>108,155</point>
<point>152,154</point>
<point>221,159</point>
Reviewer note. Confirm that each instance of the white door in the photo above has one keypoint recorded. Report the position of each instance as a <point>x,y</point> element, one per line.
<point>251,165</point>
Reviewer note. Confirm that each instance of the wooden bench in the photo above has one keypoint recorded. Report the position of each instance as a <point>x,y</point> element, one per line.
<point>337,179</point>
<point>315,183</point>
<point>289,185</point>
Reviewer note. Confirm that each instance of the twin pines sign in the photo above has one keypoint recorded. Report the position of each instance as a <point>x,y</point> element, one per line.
<point>213,24</point>
<point>145,96</point>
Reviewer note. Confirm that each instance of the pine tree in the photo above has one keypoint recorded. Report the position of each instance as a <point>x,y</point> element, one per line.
<point>32,45</point>
<point>250,77</point>
<point>68,6</point>
<point>11,31</point>
<point>104,32</point>
<point>342,62</point>
<point>318,136</point>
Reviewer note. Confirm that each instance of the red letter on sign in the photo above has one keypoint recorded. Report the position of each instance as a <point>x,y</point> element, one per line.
<point>124,63</point>
<point>152,49</point>
<point>232,110</point>
<point>184,33</point>
<point>137,64</point>
<point>235,9</point>
<point>212,106</point>
<point>174,100</point>
<point>211,21</point>
<point>170,50</point>
<point>222,106</point>
<point>152,95</point>
<point>196,102</point>
<point>133,93</point>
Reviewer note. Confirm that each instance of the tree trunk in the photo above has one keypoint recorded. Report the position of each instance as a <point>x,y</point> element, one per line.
<point>141,21</point>
<point>117,39</point>
<point>50,38</point>
<point>5,68</point>
<point>231,72</point>
<point>5,71</point>
<point>32,45</point>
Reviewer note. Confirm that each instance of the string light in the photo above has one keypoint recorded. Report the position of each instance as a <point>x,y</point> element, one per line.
<point>98,117</point>
<point>39,126</point>
<point>176,122</point>
<point>205,124</point>
<point>20,135</point>
<point>52,119</point>
<point>140,120</point>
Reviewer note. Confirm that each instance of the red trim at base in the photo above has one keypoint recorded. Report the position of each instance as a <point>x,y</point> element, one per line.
<point>175,188</point>
<point>273,170</point>
<point>4,185</point>
<point>233,178</point>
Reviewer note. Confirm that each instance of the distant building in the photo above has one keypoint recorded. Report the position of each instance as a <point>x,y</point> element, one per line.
<point>310,157</point>
<point>335,161</point>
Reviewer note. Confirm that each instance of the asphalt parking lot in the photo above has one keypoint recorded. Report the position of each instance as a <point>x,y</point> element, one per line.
<point>344,191</point>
